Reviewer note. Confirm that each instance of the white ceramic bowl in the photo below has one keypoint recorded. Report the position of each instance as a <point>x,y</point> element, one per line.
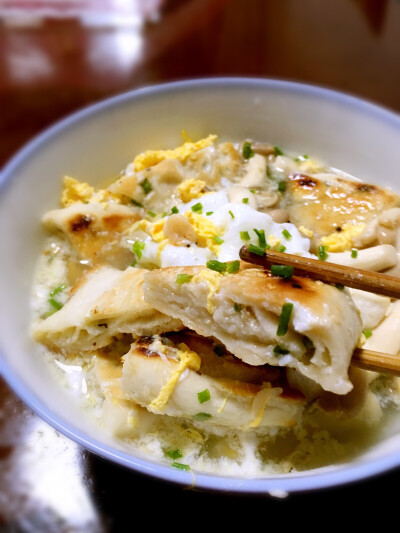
<point>95,143</point>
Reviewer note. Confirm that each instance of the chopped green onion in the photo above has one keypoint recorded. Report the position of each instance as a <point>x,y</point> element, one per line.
<point>204,396</point>
<point>286,234</point>
<point>282,271</point>
<point>256,250</point>
<point>277,150</point>
<point>284,319</point>
<point>281,248</point>
<point>217,239</point>
<point>197,208</point>
<point>247,150</point>
<point>183,278</point>
<point>57,290</point>
<point>232,215</point>
<point>135,202</point>
<point>137,248</point>
<point>282,186</point>
<point>202,416</point>
<point>209,213</point>
<point>253,191</point>
<point>213,264</point>
<point>55,304</point>
<point>174,454</point>
<point>233,266</point>
<point>146,186</point>
<point>279,350</point>
<point>367,333</point>
<point>151,214</point>
<point>174,210</point>
<point>339,286</point>
<point>237,307</point>
<point>180,466</point>
<point>354,253</point>
<point>219,349</point>
<point>322,253</point>
<point>244,235</point>
<point>133,264</point>
<point>262,242</point>
<point>245,200</point>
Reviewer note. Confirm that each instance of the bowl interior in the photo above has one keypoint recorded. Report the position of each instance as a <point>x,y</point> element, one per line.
<point>96,144</point>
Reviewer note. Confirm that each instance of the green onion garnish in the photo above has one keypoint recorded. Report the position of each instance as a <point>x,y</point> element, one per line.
<point>232,215</point>
<point>282,186</point>
<point>55,304</point>
<point>245,200</point>
<point>284,319</point>
<point>209,213</point>
<point>180,466</point>
<point>233,266</point>
<point>247,150</point>
<point>339,286</point>
<point>262,241</point>
<point>174,210</point>
<point>244,235</point>
<point>237,307</point>
<point>255,249</point>
<point>217,239</point>
<point>151,214</point>
<point>354,253</point>
<point>367,333</point>
<point>146,186</point>
<point>197,208</point>
<point>282,271</point>
<point>286,234</point>
<point>279,350</point>
<point>204,396</point>
<point>277,150</point>
<point>213,264</point>
<point>322,253</point>
<point>281,248</point>
<point>253,191</point>
<point>174,454</point>
<point>183,278</point>
<point>135,202</point>
<point>137,248</point>
<point>57,290</point>
<point>202,416</point>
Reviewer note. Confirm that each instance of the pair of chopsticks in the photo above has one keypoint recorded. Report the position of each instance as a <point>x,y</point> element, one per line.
<point>355,278</point>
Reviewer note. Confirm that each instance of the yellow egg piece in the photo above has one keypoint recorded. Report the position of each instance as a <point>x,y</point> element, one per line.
<point>190,189</point>
<point>273,241</point>
<point>213,279</point>
<point>205,231</point>
<point>340,241</point>
<point>152,157</point>
<point>75,191</point>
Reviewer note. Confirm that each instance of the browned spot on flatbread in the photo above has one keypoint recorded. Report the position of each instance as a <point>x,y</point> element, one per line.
<point>80,223</point>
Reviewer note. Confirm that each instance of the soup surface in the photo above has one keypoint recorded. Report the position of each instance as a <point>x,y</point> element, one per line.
<point>146,314</point>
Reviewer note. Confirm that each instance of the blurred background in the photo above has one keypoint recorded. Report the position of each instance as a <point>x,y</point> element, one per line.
<point>58,56</point>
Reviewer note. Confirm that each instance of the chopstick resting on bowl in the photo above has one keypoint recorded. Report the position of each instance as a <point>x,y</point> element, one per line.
<point>340,275</point>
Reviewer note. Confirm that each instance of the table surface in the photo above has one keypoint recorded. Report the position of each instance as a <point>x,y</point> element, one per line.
<point>56,61</point>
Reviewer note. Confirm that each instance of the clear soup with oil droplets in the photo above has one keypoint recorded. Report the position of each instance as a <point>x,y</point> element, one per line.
<point>180,350</point>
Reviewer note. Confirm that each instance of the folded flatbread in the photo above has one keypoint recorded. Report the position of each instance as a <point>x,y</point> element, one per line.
<point>243,311</point>
<point>106,302</point>
<point>171,379</point>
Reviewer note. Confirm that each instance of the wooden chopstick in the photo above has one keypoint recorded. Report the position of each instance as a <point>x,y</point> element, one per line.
<point>355,278</point>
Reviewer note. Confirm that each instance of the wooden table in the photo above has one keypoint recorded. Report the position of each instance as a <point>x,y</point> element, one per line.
<point>54,65</point>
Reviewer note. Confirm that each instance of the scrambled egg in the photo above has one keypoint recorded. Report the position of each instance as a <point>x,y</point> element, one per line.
<point>187,359</point>
<point>76,191</point>
<point>152,157</point>
<point>205,230</point>
<point>307,232</point>
<point>340,241</point>
<point>190,189</point>
<point>212,278</point>
<point>273,241</point>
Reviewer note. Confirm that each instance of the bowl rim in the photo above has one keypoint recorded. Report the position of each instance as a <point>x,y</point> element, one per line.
<point>278,485</point>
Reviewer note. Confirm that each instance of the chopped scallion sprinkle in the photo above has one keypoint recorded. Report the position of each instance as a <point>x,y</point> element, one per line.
<point>255,250</point>
<point>281,248</point>
<point>247,150</point>
<point>277,150</point>
<point>262,241</point>
<point>279,350</point>
<point>245,200</point>
<point>284,319</point>
<point>217,239</point>
<point>174,454</point>
<point>209,213</point>
<point>286,234</point>
<point>137,248</point>
<point>283,271</point>
<point>367,333</point>
<point>151,214</point>
<point>213,264</point>
<point>354,253</point>
<point>135,202</point>
<point>202,416</point>
<point>146,186</point>
<point>282,186</point>
<point>174,210</point>
<point>233,266</point>
<point>180,466</point>
<point>244,235</point>
<point>322,253</point>
<point>204,396</point>
<point>232,215</point>
<point>57,290</point>
<point>183,278</point>
<point>197,208</point>
<point>55,304</point>
<point>339,286</point>
<point>253,191</point>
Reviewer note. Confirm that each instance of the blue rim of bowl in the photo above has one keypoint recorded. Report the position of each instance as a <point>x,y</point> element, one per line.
<point>324,478</point>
